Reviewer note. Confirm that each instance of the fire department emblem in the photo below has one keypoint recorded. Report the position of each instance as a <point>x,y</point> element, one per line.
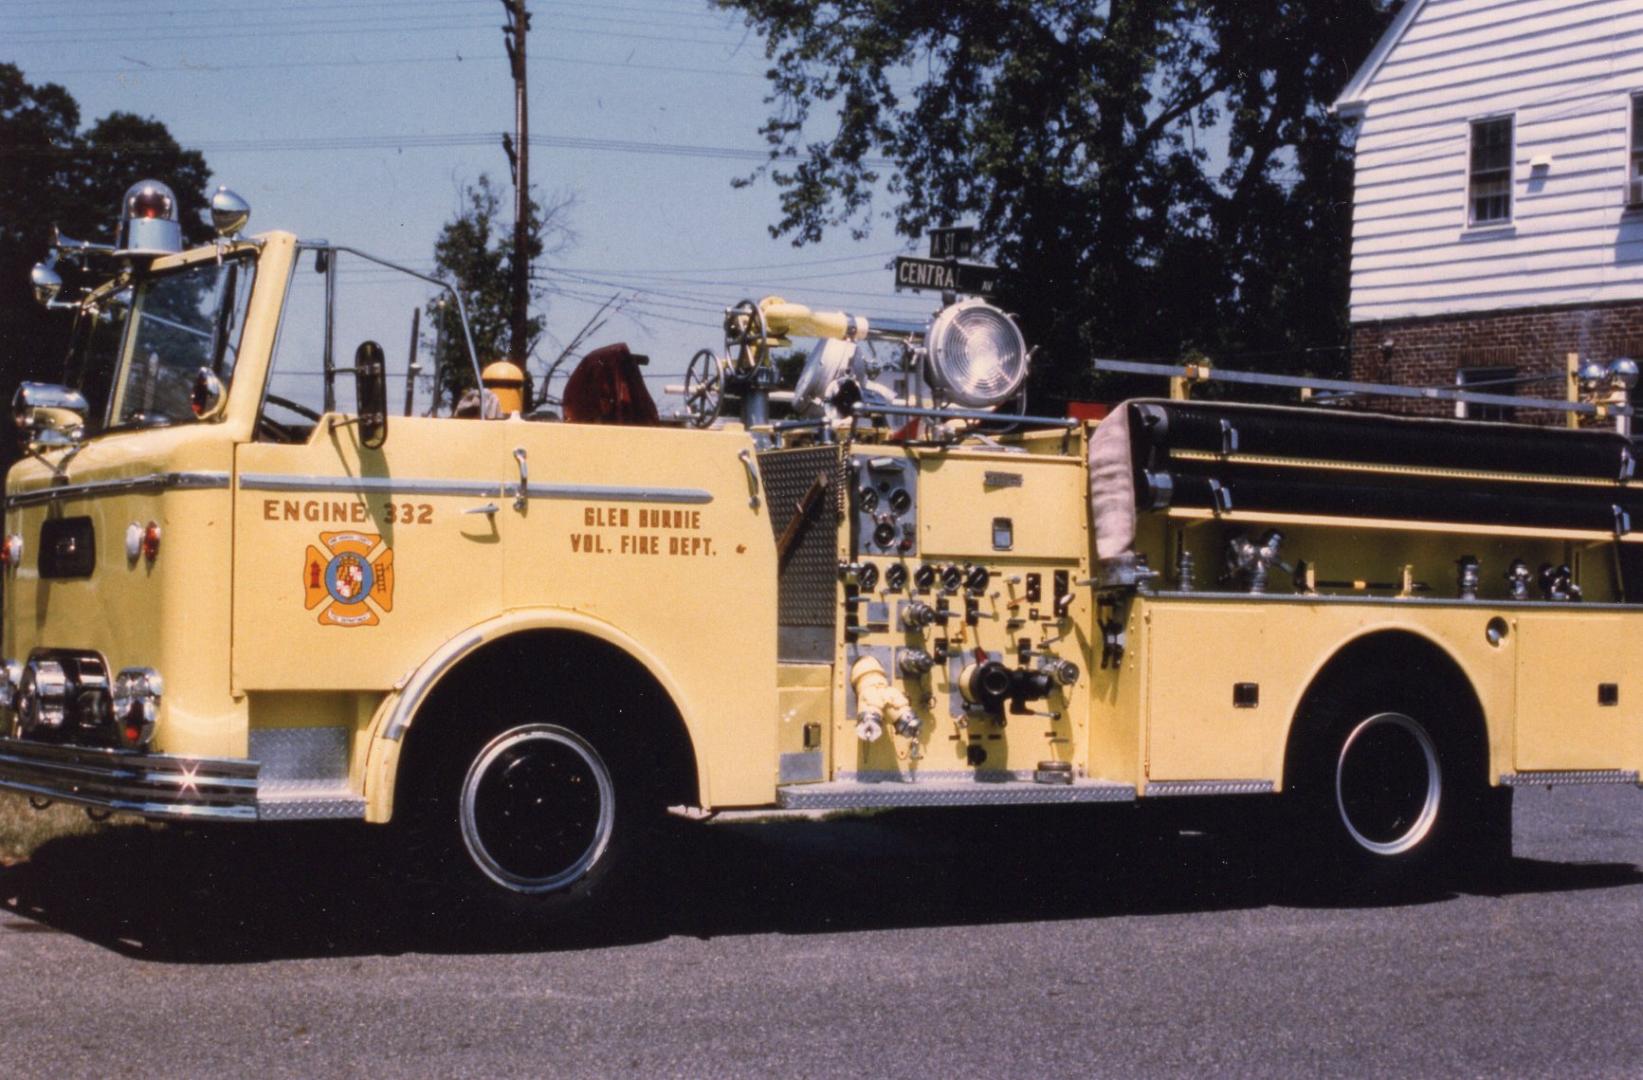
<point>354,571</point>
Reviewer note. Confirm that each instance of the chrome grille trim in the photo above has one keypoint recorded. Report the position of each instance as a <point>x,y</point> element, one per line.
<point>153,785</point>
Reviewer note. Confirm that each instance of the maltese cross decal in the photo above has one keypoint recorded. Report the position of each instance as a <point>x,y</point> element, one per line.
<point>355,572</point>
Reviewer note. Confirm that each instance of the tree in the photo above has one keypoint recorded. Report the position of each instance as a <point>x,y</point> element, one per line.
<point>1156,175</point>
<point>475,252</point>
<point>53,173</point>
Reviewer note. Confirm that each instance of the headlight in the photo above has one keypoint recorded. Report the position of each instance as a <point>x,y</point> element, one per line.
<point>977,356</point>
<point>137,694</point>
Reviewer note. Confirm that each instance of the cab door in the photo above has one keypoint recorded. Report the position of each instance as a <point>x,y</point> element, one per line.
<point>353,564</point>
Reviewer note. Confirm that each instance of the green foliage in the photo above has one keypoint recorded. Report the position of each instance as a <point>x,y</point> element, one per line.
<point>52,172</point>
<point>1159,176</point>
<point>475,252</point>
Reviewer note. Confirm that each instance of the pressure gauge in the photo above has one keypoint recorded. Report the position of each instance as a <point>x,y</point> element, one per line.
<point>867,499</point>
<point>900,502</point>
<point>952,577</point>
<point>867,578</point>
<point>924,577</point>
<point>895,578</point>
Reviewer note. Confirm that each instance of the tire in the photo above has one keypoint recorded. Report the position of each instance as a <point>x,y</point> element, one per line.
<point>1389,788</point>
<point>538,822</point>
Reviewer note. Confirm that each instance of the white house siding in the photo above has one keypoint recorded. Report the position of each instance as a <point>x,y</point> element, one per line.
<point>1566,72</point>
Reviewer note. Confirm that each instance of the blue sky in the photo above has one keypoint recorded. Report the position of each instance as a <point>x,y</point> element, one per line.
<point>357,121</point>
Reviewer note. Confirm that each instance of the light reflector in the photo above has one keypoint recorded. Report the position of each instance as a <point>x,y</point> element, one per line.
<point>977,355</point>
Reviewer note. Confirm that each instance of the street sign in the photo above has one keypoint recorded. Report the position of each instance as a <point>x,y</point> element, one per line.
<point>957,242</point>
<point>946,275</point>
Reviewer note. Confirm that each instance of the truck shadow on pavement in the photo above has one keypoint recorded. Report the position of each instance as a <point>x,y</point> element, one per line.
<point>232,896</point>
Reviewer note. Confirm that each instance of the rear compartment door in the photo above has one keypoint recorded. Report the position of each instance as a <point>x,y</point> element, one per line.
<point>1576,708</point>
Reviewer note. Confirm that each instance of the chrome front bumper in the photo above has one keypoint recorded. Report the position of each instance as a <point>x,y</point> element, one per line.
<point>153,785</point>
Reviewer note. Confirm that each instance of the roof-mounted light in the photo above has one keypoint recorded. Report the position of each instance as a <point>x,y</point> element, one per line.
<point>978,357</point>
<point>148,221</point>
<point>229,213</point>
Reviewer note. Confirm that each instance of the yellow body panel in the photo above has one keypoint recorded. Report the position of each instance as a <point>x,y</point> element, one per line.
<point>1198,650</point>
<point>963,493</point>
<point>1563,659</point>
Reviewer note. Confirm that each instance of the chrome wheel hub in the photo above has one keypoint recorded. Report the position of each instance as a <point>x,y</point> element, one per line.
<point>538,808</point>
<point>1388,784</point>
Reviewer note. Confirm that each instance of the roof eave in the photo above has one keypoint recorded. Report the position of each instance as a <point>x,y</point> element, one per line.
<point>1351,101</point>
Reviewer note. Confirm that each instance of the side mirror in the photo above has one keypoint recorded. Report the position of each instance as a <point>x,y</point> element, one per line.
<point>207,398</point>
<point>371,394</point>
<point>47,416</point>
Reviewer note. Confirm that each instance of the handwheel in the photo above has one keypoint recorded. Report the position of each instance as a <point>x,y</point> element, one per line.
<point>704,389</point>
<point>747,338</point>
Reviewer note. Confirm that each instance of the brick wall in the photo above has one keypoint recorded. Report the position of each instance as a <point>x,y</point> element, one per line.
<point>1428,351</point>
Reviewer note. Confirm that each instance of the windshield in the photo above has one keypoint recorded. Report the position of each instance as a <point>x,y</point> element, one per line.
<point>148,349</point>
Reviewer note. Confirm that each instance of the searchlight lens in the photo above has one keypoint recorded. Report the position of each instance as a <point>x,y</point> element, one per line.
<point>977,355</point>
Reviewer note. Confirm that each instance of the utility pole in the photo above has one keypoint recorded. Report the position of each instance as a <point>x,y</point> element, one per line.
<point>513,38</point>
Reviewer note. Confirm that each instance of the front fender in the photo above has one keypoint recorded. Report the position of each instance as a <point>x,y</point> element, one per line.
<point>399,709</point>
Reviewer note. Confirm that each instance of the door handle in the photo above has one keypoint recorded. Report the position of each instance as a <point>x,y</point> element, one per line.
<point>753,485</point>
<point>522,498</point>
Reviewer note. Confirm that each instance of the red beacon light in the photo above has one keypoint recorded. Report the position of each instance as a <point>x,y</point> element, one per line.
<point>148,221</point>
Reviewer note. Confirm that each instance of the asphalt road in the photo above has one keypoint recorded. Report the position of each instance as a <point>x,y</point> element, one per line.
<point>931,943</point>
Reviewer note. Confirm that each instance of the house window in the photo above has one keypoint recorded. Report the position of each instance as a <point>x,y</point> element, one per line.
<point>1486,380</point>
<point>1634,167</point>
<point>1489,191</point>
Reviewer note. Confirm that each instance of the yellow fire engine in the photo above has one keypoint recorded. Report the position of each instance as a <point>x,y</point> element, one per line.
<point>256,570</point>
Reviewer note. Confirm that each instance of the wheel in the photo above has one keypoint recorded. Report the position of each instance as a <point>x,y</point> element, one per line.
<point>536,822</point>
<point>1388,788</point>
<point>537,809</point>
<point>704,389</point>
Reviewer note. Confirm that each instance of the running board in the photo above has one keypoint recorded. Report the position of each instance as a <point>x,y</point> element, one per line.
<point>865,794</point>
<point>316,804</point>
<point>1569,777</point>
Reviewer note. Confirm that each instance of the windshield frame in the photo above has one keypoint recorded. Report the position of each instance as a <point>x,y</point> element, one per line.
<point>224,340</point>
<point>331,251</point>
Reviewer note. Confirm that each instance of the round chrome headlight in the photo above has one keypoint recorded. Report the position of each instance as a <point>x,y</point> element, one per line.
<point>978,357</point>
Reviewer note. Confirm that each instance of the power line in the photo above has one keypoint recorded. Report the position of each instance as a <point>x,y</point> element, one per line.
<point>384,27</point>
<point>415,142</point>
<point>218,69</point>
